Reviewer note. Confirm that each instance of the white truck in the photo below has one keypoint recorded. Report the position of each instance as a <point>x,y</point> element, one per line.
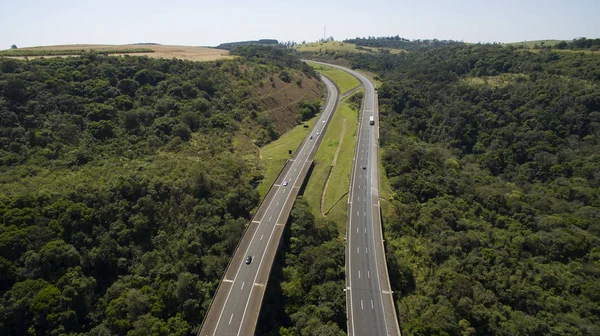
<point>371,120</point>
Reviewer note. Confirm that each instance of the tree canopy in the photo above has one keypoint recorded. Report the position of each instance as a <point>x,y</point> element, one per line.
<point>125,188</point>
<point>492,156</point>
<point>398,42</point>
<point>305,294</point>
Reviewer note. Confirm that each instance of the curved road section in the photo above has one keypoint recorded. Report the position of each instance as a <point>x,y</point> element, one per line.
<point>236,305</point>
<point>369,301</point>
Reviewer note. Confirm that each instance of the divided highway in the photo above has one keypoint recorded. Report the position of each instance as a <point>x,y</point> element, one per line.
<point>236,305</point>
<point>369,300</point>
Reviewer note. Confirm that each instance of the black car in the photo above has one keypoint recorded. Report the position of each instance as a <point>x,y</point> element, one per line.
<point>248,260</point>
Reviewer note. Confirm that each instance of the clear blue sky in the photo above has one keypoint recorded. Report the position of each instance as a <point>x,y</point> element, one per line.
<point>201,22</point>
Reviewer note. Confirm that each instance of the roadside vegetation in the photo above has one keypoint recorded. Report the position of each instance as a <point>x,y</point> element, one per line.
<point>124,189</point>
<point>337,155</point>
<point>342,79</point>
<point>305,292</point>
<point>337,46</point>
<point>386,44</point>
<point>276,153</point>
<point>492,156</point>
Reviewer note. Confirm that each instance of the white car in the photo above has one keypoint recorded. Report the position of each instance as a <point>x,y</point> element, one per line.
<point>285,183</point>
<point>323,121</point>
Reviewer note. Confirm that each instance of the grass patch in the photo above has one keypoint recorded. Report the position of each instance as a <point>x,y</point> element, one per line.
<point>275,154</point>
<point>371,76</point>
<point>500,81</point>
<point>339,214</point>
<point>531,44</point>
<point>69,52</point>
<point>333,46</point>
<point>316,184</point>
<point>342,79</point>
<point>344,121</point>
<point>385,189</point>
<point>589,52</point>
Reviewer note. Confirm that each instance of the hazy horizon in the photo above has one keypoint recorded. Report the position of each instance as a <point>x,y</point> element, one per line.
<point>179,22</point>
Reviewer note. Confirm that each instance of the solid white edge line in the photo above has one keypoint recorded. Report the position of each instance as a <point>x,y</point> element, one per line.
<point>365,81</point>
<point>264,251</point>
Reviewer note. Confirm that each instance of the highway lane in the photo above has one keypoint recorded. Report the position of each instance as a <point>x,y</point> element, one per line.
<point>236,305</point>
<point>370,305</point>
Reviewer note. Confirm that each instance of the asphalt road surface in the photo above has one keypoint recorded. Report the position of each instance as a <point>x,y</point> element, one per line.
<point>236,305</point>
<point>370,305</point>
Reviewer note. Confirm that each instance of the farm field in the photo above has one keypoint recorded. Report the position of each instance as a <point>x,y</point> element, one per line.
<point>158,51</point>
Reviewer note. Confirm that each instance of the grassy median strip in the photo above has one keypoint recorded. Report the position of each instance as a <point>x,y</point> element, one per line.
<point>340,138</point>
<point>344,80</point>
<point>276,154</point>
<point>385,189</point>
<point>339,180</point>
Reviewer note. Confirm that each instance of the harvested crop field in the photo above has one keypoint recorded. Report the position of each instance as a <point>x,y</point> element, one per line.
<point>159,51</point>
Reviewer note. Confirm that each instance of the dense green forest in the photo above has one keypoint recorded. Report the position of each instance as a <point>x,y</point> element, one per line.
<point>304,296</point>
<point>580,43</point>
<point>122,188</point>
<point>398,42</point>
<point>493,154</point>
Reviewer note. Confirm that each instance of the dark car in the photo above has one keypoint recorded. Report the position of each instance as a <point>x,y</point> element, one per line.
<point>364,167</point>
<point>248,260</point>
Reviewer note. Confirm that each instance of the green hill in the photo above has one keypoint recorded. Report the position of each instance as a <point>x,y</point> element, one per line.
<point>126,183</point>
<point>540,43</point>
<point>492,156</point>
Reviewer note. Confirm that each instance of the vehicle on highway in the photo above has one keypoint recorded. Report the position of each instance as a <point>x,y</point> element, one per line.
<point>323,121</point>
<point>285,183</point>
<point>311,136</point>
<point>371,120</point>
<point>248,260</point>
<point>364,167</point>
